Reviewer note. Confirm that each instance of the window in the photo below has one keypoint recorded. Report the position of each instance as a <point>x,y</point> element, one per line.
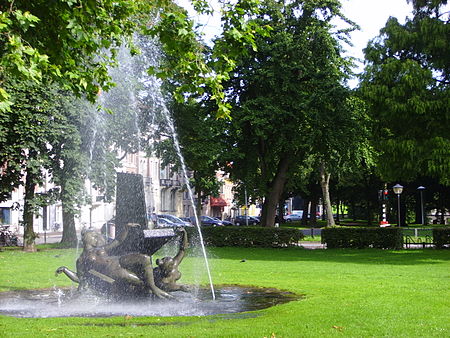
<point>5,216</point>
<point>173,200</point>
<point>163,200</point>
<point>164,173</point>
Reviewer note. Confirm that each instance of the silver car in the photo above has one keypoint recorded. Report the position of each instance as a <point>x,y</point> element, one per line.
<point>297,216</point>
<point>175,220</point>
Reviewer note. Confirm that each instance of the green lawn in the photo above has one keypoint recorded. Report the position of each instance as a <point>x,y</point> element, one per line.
<point>351,293</point>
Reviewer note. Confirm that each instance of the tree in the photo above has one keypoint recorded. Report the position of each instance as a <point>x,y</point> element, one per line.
<point>340,142</point>
<point>407,85</point>
<point>278,92</point>
<point>66,42</point>
<point>28,132</point>
<point>73,44</point>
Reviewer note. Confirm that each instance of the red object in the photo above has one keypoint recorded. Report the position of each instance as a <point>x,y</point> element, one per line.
<point>384,224</point>
<point>217,202</point>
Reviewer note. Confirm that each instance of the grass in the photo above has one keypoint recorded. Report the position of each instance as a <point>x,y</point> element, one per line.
<point>316,238</point>
<point>351,293</point>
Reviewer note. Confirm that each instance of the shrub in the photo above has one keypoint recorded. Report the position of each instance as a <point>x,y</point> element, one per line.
<point>441,237</point>
<point>248,236</point>
<point>344,237</point>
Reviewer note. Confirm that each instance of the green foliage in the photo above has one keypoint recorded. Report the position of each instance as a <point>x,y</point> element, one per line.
<point>441,237</point>
<point>406,84</point>
<point>239,236</point>
<point>71,42</point>
<point>27,133</point>
<point>290,106</point>
<point>192,65</point>
<point>202,140</point>
<point>346,237</point>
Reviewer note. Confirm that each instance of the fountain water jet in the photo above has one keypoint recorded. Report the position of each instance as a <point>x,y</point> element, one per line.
<point>191,195</point>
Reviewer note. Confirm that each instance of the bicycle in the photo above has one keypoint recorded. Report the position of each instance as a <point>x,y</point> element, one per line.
<point>7,237</point>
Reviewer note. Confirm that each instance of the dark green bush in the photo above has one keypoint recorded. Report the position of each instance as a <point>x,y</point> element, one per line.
<point>441,237</point>
<point>239,236</point>
<point>345,237</point>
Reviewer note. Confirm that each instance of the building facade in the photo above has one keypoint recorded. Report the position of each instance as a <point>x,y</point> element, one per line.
<point>165,193</point>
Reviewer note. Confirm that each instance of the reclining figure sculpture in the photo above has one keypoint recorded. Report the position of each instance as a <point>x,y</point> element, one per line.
<point>130,273</point>
<point>124,266</point>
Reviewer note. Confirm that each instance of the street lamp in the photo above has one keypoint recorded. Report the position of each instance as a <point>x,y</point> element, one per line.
<point>422,211</point>
<point>398,189</point>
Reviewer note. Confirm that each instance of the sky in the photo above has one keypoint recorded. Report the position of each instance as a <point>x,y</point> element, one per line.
<point>370,15</point>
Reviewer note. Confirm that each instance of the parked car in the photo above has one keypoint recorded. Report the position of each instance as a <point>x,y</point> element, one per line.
<point>225,222</point>
<point>188,220</point>
<point>242,220</point>
<point>165,223</point>
<point>174,219</point>
<point>207,221</point>
<point>295,216</point>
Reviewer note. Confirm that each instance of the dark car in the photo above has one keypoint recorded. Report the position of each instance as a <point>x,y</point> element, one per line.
<point>225,222</point>
<point>165,223</point>
<point>207,221</point>
<point>242,220</point>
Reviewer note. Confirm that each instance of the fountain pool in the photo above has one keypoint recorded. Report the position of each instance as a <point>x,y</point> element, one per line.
<point>48,303</point>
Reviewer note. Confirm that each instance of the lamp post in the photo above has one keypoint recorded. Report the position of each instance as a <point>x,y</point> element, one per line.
<point>398,189</point>
<point>422,211</point>
<point>246,206</point>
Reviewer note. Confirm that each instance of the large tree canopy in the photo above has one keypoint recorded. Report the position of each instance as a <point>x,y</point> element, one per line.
<point>407,85</point>
<point>71,45</point>
<point>287,91</point>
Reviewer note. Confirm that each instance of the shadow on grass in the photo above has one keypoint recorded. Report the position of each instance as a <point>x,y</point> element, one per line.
<point>357,256</point>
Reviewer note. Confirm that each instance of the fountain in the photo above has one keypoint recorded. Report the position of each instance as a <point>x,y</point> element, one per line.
<point>117,278</point>
<point>124,266</point>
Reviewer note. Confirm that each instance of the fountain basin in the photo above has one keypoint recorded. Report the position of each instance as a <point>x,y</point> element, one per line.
<point>48,303</point>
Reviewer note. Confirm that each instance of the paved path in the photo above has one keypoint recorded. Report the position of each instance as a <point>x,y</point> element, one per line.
<point>45,237</point>
<point>312,245</point>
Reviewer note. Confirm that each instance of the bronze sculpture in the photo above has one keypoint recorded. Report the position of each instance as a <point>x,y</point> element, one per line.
<point>124,266</point>
<point>166,272</point>
<point>130,273</point>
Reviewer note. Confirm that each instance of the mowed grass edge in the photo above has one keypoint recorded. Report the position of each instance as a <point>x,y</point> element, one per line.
<point>354,293</point>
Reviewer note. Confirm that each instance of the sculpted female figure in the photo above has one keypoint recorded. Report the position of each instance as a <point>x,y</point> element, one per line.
<point>166,272</point>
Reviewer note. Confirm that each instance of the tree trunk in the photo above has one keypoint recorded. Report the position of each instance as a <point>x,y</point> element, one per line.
<point>305,211</point>
<point>313,216</point>
<point>69,235</point>
<point>325,182</point>
<point>198,191</point>
<point>29,235</point>
<point>281,203</point>
<point>275,191</point>
<point>353,206</point>
<point>368,212</point>
<point>199,206</point>
<point>338,218</point>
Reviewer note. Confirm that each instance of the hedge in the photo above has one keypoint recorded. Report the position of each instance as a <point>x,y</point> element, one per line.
<point>441,237</point>
<point>240,236</point>
<point>346,237</point>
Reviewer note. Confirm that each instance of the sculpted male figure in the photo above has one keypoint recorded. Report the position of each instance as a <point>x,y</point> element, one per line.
<point>132,270</point>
